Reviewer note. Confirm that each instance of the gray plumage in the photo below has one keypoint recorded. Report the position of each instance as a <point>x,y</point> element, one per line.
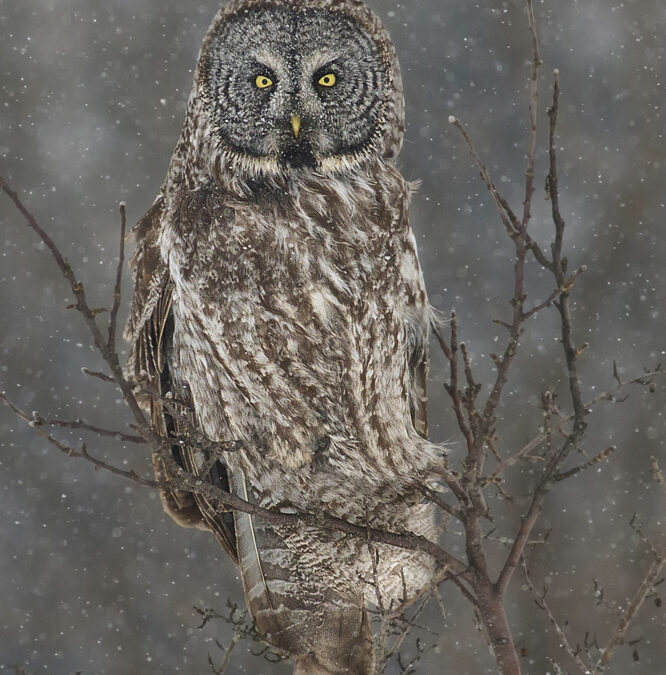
<point>278,295</point>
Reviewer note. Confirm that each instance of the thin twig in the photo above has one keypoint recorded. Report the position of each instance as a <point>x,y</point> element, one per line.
<point>563,305</point>
<point>409,625</point>
<point>470,395</point>
<point>445,506</point>
<point>556,458</point>
<point>442,575</point>
<point>602,456</point>
<point>507,216</point>
<point>540,601</point>
<point>113,318</point>
<point>227,655</point>
<point>38,420</point>
<point>555,294</point>
<point>608,395</point>
<point>635,525</point>
<point>82,453</point>
<point>636,603</point>
<point>531,153</point>
<point>102,345</point>
<point>526,450</point>
<point>98,375</point>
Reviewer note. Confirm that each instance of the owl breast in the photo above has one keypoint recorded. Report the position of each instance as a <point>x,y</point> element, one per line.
<point>293,333</point>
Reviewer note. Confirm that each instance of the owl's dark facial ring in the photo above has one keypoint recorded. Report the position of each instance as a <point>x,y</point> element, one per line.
<point>296,86</point>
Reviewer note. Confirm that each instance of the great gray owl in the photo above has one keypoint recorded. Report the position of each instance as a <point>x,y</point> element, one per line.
<point>278,294</point>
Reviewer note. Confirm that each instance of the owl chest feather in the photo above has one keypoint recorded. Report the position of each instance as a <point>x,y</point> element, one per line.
<point>293,325</point>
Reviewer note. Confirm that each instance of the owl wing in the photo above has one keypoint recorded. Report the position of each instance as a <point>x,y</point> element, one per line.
<point>150,332</point>
<point>151,302</point>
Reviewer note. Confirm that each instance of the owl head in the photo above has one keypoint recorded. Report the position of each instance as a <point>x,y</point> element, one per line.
<point>298,85</point>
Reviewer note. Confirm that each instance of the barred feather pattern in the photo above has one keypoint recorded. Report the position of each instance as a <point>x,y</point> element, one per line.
<point>289,309</point>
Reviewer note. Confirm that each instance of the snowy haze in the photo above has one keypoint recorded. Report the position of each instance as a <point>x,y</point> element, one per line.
<point>93,576</point>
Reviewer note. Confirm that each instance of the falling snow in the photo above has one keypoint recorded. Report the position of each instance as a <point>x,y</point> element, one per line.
<point>93,577</point>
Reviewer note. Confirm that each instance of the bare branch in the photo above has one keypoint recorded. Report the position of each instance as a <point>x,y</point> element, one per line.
<point>318,520</point>
<point>635,525</point>
<point>453,388</point>
<point>509,219</point>
<point>38,420</point>
<point>506,213</point>
<point>442,342</point>
<point>96,374</point>
<point>531,153</point>
<point>559,267</point>
<point>194,484</point>
<point>445,506</point>
<point>540,600</point>
<point>526,450</point>
<point>555,294</point>
<point>602,456</point>
<point>554,459</point>
<point>243,629</point>
<point>102,345</point>
<point>408,625</point>
<point>236,638</point>
<point>82,453</point>
<point>636,603</point>
<point>608,395</point>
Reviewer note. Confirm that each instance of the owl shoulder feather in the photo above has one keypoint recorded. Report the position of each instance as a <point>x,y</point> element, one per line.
<point>151,303</point>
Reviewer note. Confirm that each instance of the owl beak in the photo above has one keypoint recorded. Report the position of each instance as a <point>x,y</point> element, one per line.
<point>296,125</point>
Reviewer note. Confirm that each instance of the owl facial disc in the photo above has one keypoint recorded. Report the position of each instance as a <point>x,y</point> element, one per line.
<point>295,86</point>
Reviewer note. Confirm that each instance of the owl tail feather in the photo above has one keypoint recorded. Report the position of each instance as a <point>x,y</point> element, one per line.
<point>292,602</point>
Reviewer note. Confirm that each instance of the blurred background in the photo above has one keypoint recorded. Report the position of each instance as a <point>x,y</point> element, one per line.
<point>93,576</point>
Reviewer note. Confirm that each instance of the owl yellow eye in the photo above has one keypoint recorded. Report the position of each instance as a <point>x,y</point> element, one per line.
<point>328,80</point>
<point>263,82</point>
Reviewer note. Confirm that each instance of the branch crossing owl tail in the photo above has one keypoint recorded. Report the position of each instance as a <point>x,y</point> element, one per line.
<point>294,606</point>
